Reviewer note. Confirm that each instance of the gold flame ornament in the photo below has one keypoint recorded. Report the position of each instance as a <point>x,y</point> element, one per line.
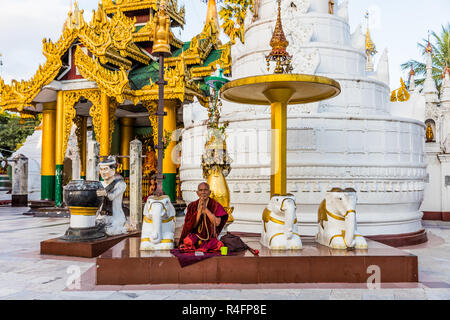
<point>400,94</point>
<point>279,45</point>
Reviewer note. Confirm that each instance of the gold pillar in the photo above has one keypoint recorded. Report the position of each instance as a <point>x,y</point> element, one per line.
<point>83,149</point>
<point>59,144</point>
<point>278,98</point>
<point>105,146</point>
<point>48,164</point>
<point>126,131</point>
<point>169,166</point>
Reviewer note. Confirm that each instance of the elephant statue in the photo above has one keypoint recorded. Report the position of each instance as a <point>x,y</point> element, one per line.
<point>158,226</point>
<point>337,220</point>
<point>280,224</point>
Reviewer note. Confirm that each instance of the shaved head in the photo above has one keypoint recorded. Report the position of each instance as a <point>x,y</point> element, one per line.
<point>202,185</point>
<point>203,191</point>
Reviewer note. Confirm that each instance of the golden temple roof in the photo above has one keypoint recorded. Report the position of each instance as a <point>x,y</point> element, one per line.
<point>112,52</point>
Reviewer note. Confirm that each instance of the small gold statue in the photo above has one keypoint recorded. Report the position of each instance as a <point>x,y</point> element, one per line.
<point>331,7</point>
<point>429,133</point>
<point>161,31</point>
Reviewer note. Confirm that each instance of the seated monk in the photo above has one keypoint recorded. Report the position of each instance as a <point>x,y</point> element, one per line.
<point>204,220</point>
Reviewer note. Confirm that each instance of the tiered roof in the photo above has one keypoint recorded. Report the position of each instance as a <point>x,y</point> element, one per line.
<point>117,57</point>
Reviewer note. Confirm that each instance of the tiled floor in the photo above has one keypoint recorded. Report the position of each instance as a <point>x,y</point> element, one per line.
<point>25,274</point>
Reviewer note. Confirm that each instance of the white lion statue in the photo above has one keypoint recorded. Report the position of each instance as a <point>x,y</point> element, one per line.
<point>158,226</point>
<point>280,224</point>
<point>337,220</point>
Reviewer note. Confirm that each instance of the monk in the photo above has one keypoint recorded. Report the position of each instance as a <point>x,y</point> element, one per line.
<point>204,220</point>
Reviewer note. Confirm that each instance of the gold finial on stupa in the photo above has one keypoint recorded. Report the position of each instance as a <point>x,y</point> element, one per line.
<point>279,45</point>
<point>370,46</point>
<point>212,14</point>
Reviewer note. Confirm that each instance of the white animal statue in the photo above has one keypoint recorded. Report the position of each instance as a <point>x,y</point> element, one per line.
<point>280,224</point>
<point>158,226</point>
<point>337,220</point>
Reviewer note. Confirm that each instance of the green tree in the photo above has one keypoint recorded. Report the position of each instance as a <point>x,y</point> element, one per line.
<point>14,131</point>
<point>440,57</point>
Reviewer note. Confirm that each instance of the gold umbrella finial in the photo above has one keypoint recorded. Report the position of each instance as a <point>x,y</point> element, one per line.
<point>279,45</point>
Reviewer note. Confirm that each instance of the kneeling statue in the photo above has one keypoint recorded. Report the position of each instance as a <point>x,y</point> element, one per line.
<point>111,215</point>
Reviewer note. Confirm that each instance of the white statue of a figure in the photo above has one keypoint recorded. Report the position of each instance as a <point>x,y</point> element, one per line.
<point>111,213</point>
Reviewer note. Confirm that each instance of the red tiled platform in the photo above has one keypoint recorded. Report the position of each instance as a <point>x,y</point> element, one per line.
<point>125,264</point>
<point>89,249</point>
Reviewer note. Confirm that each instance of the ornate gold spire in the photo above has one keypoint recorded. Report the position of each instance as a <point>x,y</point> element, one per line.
<point>212,13</point>
<point>279,45</point>
<point>370,46</point>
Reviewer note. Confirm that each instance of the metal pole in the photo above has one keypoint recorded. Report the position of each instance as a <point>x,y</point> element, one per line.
<point>160,113</point>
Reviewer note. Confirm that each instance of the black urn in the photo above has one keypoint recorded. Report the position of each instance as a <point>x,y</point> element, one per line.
<point>83,193</point>
<point>81,198</point>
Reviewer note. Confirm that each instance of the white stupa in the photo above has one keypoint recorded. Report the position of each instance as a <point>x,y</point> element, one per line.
<point>349,141</point>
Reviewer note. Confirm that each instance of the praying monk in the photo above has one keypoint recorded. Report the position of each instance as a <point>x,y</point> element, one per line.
<point>204,220</point>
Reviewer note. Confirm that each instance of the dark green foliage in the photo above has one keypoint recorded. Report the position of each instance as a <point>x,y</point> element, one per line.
<point>14,131</point>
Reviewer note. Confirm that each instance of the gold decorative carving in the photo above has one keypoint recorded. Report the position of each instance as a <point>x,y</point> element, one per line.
<point>111,82</point>
<point>176,14</point>
<point>233,14</point>
<point>79,132</point>
<point>401,94</point>
<point>108,40</point>
<point>152,107</point>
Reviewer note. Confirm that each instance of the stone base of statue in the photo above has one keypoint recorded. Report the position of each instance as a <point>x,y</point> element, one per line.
<point>84,234</point>
<point>313,264</point>
<point>84,248</point>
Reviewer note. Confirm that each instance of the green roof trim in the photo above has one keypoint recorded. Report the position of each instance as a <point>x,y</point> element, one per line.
<point>185,47</point>
<point>139,28</point>
<point>140,77</point>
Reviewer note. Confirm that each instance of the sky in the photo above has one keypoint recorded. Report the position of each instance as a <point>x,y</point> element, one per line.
<point>395,24</point>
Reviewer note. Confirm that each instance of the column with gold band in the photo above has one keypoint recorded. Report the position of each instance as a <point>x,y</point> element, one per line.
<point>169,165</point>
<point>104,140</point>
<point>48,167</point>
<point>59,145</point>
<point>126,129</point>
<point>83,148</point>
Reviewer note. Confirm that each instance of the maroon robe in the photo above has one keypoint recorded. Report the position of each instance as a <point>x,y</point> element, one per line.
<point>191,213</point>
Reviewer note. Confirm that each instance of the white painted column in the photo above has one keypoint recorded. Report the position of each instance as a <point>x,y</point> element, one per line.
<point>19,191</point>
<point>93,159</point>
<point>445,170</point>
<point>136,184</point>
<point>76,166</point>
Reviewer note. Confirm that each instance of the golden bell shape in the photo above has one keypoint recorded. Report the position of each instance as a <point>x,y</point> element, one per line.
<point>161,32</point>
